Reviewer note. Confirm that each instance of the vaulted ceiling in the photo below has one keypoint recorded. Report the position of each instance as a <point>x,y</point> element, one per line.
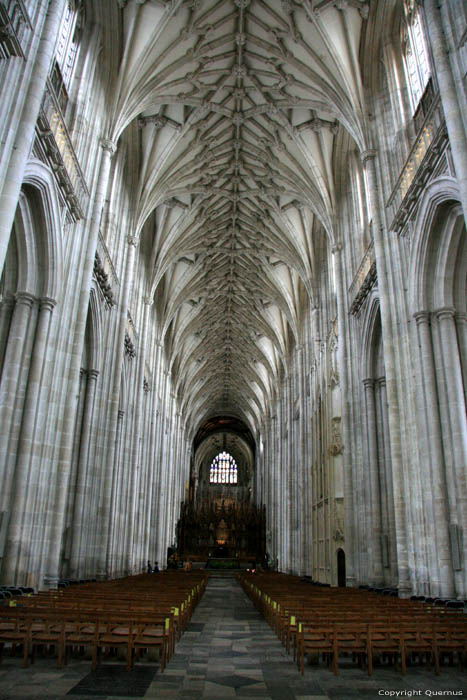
<point>238,105</point>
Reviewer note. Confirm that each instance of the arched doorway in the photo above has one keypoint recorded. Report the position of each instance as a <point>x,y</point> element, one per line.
<point>341,568</point>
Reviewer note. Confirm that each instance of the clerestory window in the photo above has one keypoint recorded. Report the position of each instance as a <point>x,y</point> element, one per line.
<point>223,469</point>
<point>416,59</point>
<point>67,45</point>
<point>66,52</point>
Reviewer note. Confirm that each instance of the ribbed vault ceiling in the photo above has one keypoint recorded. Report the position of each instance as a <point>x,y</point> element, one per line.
<point>238,104</point>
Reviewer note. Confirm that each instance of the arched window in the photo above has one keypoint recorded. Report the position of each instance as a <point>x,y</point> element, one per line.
<point>223,469</point>
<point>67,46</point>
<point>66,51</point>
<point>416,60</point>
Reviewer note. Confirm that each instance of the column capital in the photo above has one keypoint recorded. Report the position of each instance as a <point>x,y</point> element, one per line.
<point>148,301</point>
<point>47,303</point>
<point>8,299</point>
<point>445,313</point>
<point>421,317</point>
<point>336,248</point>
<point>25,298</point>
<point>93,373</point>
<point>369,383</point>
<point>109,146</point>
<point>132,240</point>
<point>50,581</point>
<point>369,154</point>
<point>461,316</point>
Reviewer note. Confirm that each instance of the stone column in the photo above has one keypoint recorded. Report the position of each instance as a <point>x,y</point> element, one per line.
<point>113,566</point>
<point>53,537</point>
<point>153,465</point>
<point>437,511</point>
<point>350,550</point>
<point>275,485</point>
<point>149,430</point>
<point>376,566</point>
<point>138,433</point>
<point>84,483</point>
<point>6,310</point>
<point>170,468</point>
<point>10,382</point>
<point>386,452</point>
<point>106,505</point>
<point>25,133</point>
<point>404,583</point>
<point>21,514</point>
<point>385,478</point>
<point>83,381</point>
<point>161,457</point>
<point>461,324</point>
<point>284,490</point>
<point>449,100</point>
<point>308,486</point>
<point>303,485</point>
<point>457,424</point>
<point>130,554</point>
<point>454,386</point>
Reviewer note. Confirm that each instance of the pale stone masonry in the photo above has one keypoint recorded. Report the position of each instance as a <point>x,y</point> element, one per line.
<point>234,225</point>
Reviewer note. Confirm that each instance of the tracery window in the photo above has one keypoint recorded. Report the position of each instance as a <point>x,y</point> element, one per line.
<point>66,52</point>
<point>416,60</point>
<point>223,469</point>
<point>67,46</point>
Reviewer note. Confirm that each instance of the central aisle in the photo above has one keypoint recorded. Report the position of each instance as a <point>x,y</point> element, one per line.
<point>230,651</point>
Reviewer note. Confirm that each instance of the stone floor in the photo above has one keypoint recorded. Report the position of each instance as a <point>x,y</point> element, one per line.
<point>228,652</point>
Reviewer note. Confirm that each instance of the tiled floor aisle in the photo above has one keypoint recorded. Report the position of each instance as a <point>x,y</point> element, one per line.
<point>228,651</point>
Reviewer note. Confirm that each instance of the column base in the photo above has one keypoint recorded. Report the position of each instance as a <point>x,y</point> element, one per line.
<point>405,589</point>
<point>50,581</point>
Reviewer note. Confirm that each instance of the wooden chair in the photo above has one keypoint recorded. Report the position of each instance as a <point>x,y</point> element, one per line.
<point>113,633</point>
<point>451,638</point>
<point>353,638</point>
<point>153,635</point>
<point>14,629</point>
<point>80,631</point>
<point>387,640</point>
<point>317,640</point>
<point>419,639</point>
<point>47,629</point>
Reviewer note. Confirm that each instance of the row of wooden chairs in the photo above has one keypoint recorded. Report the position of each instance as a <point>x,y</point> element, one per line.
<point>334,621</point>
<point>397,642</point>
<point>134,614</point>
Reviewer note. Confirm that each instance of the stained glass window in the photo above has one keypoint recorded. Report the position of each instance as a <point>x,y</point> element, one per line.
<point>223,469</point>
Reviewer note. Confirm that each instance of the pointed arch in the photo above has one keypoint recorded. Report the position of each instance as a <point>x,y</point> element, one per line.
<point>39,189</point>
<point>438,248</point>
